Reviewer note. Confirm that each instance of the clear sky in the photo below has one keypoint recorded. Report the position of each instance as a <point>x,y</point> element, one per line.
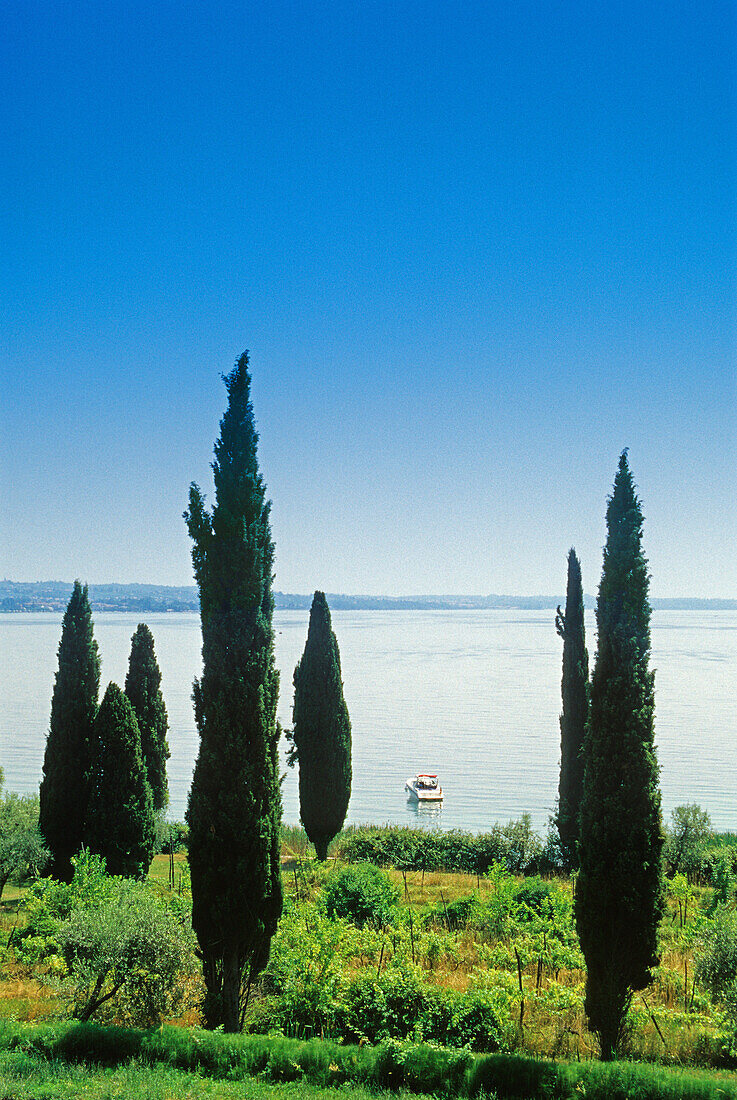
<point>475,250</point>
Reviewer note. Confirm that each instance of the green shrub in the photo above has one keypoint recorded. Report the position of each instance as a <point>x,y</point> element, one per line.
<point>716,960</point>
<point>462,913</point>
<point>516,845</point>
<point>533,894</point>
<point>128,954</point>
<point>171,834</point>
<point>50,902</point>
<point>400,1005</point>
<point>505,1076</point>
<point>362,894</point>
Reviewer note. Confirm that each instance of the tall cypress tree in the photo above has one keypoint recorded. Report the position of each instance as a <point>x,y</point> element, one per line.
<point>63,793</point>
<point>619,894</point>
<point>120,822</point>
<point>574,691</point>
<point>321,732</point>
<point>234,806</point>
<point>143,688</point>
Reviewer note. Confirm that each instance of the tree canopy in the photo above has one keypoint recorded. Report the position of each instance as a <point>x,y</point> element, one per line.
<point>120,815</point>
<point>321,732</point>
<point>143,688</point>
<point>70,743</point>
<point>574,716</point>
<point>619,892</point>
<point>234,808</point>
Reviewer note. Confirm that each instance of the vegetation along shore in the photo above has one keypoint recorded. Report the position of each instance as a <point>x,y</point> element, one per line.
<point>166,958</point>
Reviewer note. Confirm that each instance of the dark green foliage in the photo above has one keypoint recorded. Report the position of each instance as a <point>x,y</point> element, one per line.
<point>234,804</point>
<point>532,894</point>
<point>69,746</point>
<point>22,852</point>
<point>414,1067</point>
<point>143,688</point>
<point>399,1004</point>
<point>515,845</point>
<point>619,894</point>
<point>120,816</point>
<point>362,893</point>
<point>574,716</point>
<point>321,734</point>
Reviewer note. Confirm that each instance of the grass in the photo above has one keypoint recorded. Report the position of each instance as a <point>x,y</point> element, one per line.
<point>25,1076</point>
<point>84,1061</point>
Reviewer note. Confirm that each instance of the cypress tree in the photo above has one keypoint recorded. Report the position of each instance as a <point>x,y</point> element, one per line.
<point>68,755</point>
<point>120,815</point>
<point>321,733</point>
<point>143,688</point>
<point>574,691</point>
<point>619,893</point>
<point>234,808</point>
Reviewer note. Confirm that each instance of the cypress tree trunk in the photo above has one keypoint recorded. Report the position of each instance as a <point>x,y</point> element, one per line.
<point>234,808</point>
<point>143,688</point>
<point>69,746</point>
<point>322,732</point>
<point>619,893</point>
<point>574,716</point>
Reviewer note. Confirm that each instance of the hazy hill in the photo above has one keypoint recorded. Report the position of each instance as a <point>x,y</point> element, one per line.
<point>54,596</point>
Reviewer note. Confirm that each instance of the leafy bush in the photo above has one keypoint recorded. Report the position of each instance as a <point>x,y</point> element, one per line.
<point>362,894</point>
<point>130,953</point>
<point>50,902</point>
<point>516,846</point>
<point>302,980</point>
<point>170,834</point>
<point>687,839</point>
<point>716,957</point>
<point>399,1004</point>
<point>533,894</point>
<point>22,851</point>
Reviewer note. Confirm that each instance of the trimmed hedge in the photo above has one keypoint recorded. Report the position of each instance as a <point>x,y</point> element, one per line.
<point>419,1067</point>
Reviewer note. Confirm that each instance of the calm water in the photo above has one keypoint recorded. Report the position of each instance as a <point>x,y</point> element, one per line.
<point>472,695</point>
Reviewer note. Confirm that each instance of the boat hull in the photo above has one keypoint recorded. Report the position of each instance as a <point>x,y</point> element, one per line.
<point>424,795</point>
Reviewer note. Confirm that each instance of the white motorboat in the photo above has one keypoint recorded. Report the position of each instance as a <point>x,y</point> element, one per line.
<point>424,788</point>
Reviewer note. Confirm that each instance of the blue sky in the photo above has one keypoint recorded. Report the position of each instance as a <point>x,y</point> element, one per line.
<point>474,250</point>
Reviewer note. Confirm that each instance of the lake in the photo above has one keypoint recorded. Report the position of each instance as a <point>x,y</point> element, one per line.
<point>471,695</point>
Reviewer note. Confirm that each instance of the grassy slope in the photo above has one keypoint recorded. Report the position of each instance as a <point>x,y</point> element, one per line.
<point>28,1077</point>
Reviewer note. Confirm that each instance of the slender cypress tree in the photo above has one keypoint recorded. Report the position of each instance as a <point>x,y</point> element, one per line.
<point>234,806</point>
<point>67,760</point>
<point>573,719</point>
<point>619,893</point>
<point>120,821</point>
<point>143,688</point>
<point>321,732</point>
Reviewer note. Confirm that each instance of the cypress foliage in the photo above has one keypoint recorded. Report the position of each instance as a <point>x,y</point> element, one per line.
<point>120,816</point>
<point>234,806</point>
<point>321,732</point>
<point>619,893</point>
<point>573,719</point>
<point>143,688</point>
<point>68,755</point>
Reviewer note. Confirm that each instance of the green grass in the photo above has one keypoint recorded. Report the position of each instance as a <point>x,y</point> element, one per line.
<point>25,1076</point>
<point>87,1061</point>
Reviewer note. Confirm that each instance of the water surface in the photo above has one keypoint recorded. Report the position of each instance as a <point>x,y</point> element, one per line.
<point>471,695</point>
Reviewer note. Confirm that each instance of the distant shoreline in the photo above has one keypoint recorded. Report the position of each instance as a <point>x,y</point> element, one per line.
<point>29,596</point>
